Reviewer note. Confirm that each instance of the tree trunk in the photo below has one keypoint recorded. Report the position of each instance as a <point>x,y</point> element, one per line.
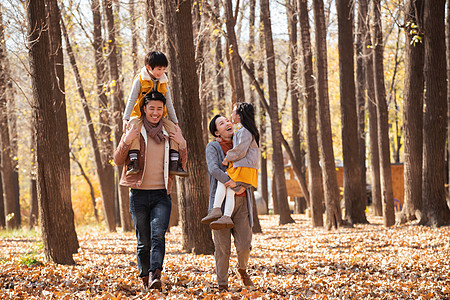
<point>262,126</point>
<point>330,186</point>
<point>34,206</point>
<point>12,125</point>
<point>134,37</point>
<point>196,237</point>
<point>312,154</point>
<point>234,51</point>
<point>57,233</point>
<point>447,39</point>
<point>435,211</point>
<point>382,120</point>
<point>372,112</point>
<point>122,205</point>
<point>361,96</point>
<point>59,106</point>
<point>277,158</point>
<point>413,112</point>
<point>114,85</point>
<point>218,61</point>
<point>7,182</point>
<point>291,7</point>
<point>2,203</point>
<point>106,176</point>
<point>152,36</point>
<point>350,142</point>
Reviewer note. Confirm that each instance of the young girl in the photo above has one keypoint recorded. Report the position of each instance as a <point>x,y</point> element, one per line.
<point>243,164</point>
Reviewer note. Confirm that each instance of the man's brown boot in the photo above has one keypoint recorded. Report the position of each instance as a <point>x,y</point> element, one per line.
<point>245,278</point>
<point>223,288</point>
<point>213,215</point>
<point>156,280</point>
<point>144,284</point>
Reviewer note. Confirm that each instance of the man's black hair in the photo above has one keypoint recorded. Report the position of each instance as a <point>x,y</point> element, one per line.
<point>213,126</point>
<point>152,96</point>
<point>156,59</point>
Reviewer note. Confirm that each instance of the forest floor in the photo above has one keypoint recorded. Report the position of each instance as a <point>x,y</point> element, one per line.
<point>293,261</point>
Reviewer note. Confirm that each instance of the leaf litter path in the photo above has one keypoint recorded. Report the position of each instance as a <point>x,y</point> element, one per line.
<point>292,261</point>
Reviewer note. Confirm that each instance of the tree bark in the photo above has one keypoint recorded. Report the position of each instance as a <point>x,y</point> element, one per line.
<point>7,179</point>
<point>350,142</point>
<point>361,96</point>
<point>57,233</point>
<point>330,186</point>
<point>291,7</point>
<point>106,176</point>
<point>262,125</point>
<point>234,51</point>
<point>59,106</point>
<point>34,206</point>
<point>382,120</point>
<point>413,112</point>
<point>114,85</point>
<point>196,237</point>
<point>134,37</point>
<point>312,154</point>
<point>218,60</point>
<point>435,211</point>
<point>152,36</point>
<point>2,203</point>
<point>277,158</point>
<point>372,112</point>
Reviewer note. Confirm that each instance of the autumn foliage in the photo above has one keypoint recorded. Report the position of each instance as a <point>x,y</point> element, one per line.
<point>294,261</point>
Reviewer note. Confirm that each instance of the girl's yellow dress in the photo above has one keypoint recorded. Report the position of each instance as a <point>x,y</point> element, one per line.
<point>243,174</point>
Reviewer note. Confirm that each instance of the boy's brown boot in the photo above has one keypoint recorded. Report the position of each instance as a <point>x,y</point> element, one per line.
<point>224,222</point>
<point>175,167</point>
<point>133,167</point>
<point>213,215</point>
<point>245,278</point>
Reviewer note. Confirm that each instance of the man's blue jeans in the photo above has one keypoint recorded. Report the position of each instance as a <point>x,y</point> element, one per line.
<point>150,211</point>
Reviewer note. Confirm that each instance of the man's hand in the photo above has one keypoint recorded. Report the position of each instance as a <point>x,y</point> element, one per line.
<point>178,138</point>
<point>230,183</point>
<point>131,134</point>
<point>241,190</point>
<point>124,125</point>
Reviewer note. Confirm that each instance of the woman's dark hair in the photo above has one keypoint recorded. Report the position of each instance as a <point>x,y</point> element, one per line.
<point>152,96</point>
<point>213,126</point>
<point>156,59</point>
<point>247,113</point>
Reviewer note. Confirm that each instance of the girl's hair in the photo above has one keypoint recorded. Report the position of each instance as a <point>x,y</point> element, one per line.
<point>213,126</point>
<point>247,113</point>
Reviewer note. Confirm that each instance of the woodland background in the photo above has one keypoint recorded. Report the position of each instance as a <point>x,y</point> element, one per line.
<point>357,84</point>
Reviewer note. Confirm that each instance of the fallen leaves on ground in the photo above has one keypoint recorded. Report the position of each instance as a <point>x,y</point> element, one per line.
<point>293,261</point>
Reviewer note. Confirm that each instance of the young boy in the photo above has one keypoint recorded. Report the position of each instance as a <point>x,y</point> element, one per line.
<point>151,77</point>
